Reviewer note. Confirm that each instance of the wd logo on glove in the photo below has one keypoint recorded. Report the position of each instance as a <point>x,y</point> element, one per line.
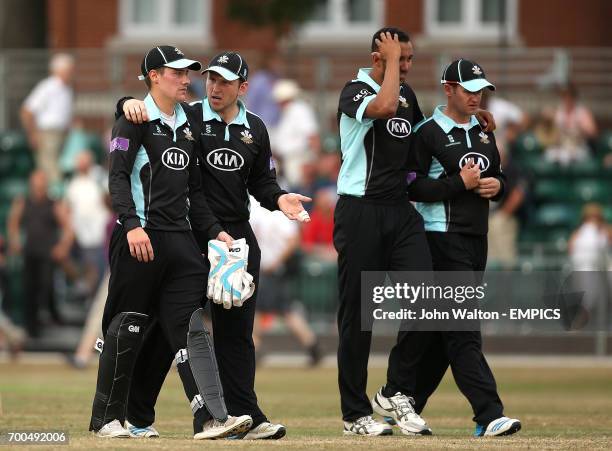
<point>229,283</point>
<point>135,329</point>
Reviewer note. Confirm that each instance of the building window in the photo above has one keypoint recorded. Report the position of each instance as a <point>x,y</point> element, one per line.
<point>170,18</point>
<point>494,19</point>
<point>344,19</point>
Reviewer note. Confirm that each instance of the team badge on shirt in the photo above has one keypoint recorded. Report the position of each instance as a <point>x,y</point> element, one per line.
<point>119,143</point>
<point>484,138</point>
<point>188,134</point>
<point>403,102</point>
<point>247,138</point>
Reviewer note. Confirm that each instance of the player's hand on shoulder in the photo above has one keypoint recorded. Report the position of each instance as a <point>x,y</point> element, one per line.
<point>140,245</point>
<point>135,111</point>
<point>291,205</point>
<point>486,120</point>
<point>470,174</point>
<point>389,46</point>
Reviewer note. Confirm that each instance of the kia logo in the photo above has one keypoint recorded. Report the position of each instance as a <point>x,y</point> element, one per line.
<point>479,159</point>
<point>225,159</point>
<point>399,127</point>
<point>175,159</point>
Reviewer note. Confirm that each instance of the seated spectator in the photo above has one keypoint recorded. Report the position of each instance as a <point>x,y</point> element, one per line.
<point>576,126</point>
<point>545,129</point>
<point>504,112</point>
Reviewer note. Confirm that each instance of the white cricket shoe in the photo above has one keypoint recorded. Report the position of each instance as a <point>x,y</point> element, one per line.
<point>501,426</point>
<point>146,432</point>
<point>266,431</point>
<point>366,426</point>
<point>214,429</point>
<point>399,408</point>
<point>114,429</point>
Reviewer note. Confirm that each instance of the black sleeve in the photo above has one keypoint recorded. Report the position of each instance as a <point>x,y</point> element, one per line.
<point>126,139</point>
<point>424,188</point>
<point>498,174</point>
<point>354,100</point>
<point>120,102</point>
<point>204,223</point>
<point>262,182</point>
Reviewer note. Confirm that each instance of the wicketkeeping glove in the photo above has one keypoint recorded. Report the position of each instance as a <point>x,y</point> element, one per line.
<point>228,281</point>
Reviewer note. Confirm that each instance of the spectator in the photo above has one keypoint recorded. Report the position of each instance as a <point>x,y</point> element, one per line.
<point>503,220</point>
<point>47,242</point>
<point>279,239</point>
<point>12,335</point>
<point>296,138</point>
<point>505,113</point>
<point>89,216</point>
<point>545,129</point>
<point>317,235</point>
<point>259,98</point>
<point>588,248</point>
<point>46,115</point>
<point>576,126</point>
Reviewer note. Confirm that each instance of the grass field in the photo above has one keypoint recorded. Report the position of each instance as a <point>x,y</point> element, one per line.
<point>561,408</point>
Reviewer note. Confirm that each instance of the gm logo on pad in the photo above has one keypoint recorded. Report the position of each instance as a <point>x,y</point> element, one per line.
<point>399,127</point>
<point>479,159</point>
<point>175,159</point>
<point>135,329</point>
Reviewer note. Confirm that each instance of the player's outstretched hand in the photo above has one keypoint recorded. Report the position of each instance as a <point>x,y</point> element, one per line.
<point>291,205</point>
<point>140,245</point>
<point>135,111</point>
<point>488,187</point>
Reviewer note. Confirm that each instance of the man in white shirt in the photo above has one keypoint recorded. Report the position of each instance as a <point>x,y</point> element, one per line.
<point>46,114</point>
<point>89,214</point>
<point>296,137</point>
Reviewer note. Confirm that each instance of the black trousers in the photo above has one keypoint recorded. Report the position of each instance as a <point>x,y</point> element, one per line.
<point>38,289</point>
<point>432,352</point>
<point>169,289</point>
<point>370,236</point>
<point>234,349</point>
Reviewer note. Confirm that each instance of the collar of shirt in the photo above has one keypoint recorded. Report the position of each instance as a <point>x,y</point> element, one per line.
<point>364,76</point>
<point>154,113</point>
<point>208,114</point>
<point>447,124</point>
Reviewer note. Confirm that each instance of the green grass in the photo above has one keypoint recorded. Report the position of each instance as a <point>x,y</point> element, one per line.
<point>561,408</point>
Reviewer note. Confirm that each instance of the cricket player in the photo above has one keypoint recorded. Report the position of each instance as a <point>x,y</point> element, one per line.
<point>458,171</point>
<point>376,226</point>
<point>157,270</point>
<point>236,161</point>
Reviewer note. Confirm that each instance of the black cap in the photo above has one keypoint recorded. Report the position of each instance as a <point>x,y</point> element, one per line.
<point>166,56</point>
<point>467,74</point>
<point>230,65</point>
